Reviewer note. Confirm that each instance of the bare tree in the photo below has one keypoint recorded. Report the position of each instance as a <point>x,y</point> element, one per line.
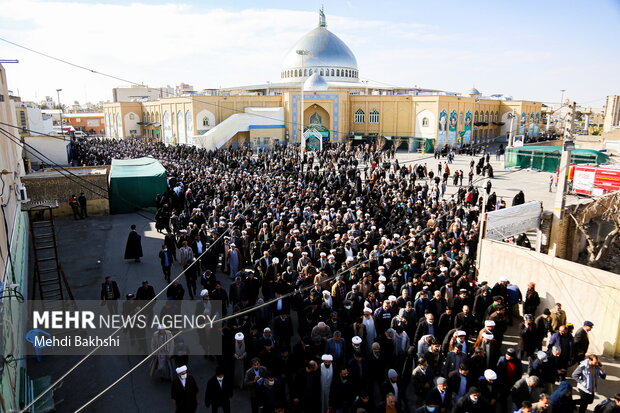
<point>381,142</point>
<point>605,208</point>
<point>397,142</point>
<point>349,145</point>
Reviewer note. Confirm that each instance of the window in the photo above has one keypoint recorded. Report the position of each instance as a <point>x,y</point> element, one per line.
<point>374,116</point>
<point>131,116</point>
<point>486,117</point>
<point>205,121</point>
<point>337,72</point>
<point>22,118</point>
<point>476,116</point>
<point>305,72</point>
<point>332,72</point>
<point>425,122</point>
<point>1,98</point>
<point>496,116</point>
<point>321,72</point>
<point>359,116</point>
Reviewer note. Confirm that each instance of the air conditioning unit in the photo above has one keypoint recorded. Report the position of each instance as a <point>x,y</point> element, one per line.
<point>22,194</point>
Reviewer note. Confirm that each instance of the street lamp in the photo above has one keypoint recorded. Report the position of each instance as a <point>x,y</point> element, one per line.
<point>302,53</point>
<point>62,131</point>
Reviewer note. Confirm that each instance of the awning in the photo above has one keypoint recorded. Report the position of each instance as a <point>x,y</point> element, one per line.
<point>499,123</point>
<point>155,125</point>
<point>144,123</point>
<point>481,123</point>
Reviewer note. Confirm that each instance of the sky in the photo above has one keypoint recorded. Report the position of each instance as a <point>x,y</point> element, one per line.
<point>528,49</point>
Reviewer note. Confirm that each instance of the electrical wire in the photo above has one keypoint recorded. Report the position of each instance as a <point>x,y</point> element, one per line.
<point>70,174</point>
<point>232,316</point>
<point>296,125</point>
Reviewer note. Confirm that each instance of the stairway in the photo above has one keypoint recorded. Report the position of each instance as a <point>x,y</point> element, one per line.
<point>49,279</point>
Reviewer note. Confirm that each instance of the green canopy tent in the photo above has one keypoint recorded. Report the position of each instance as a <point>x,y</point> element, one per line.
<point>547,158</point>
<point>134,184</point>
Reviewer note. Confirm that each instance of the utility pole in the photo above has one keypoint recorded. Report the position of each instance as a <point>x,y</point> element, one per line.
<point>560,196</point>
<point>302,139</point>
<point>62,130</point>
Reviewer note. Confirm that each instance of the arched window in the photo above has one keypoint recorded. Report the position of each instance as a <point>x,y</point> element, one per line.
<point>496,116</point>
<point>359,116</point>
<point>305,72</point>
<point>374,116</point>
<point>321,72</point>
<point>425,122</point>
<point>205,121</point>
<point>476,116</point>
<point>337,72</point>
<point>332,72</point>
<point>486,116</point>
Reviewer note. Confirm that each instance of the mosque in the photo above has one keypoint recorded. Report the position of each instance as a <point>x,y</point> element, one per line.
<point>320,91</point>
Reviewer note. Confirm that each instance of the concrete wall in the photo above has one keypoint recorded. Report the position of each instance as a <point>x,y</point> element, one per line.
<point>585,293</point>
<point>52,185</point>
<point>13,238</point>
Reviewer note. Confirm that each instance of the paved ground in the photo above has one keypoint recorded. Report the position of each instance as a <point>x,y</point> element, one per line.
<point>102,238</point>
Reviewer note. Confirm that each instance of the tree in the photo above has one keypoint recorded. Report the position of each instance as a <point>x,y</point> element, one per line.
<point>605,208</point>
<point>381,142</point>
<point>578,116</point>
<point>396,142</point>
<point>349,145</point>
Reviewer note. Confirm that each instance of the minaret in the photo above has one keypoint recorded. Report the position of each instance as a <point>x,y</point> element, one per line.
<point>322,18</point>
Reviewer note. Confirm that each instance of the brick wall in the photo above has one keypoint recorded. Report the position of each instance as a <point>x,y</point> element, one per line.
<point>44,186</point>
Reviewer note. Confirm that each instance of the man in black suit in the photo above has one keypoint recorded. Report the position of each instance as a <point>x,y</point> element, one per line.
<point>393,385</point>
<point>110,294</point>
<point>440,396</point>
<point>459,382</point>
<point>184,392</point>
<point>283,329</point>
<point>165,258</point>
<point>219,391</point>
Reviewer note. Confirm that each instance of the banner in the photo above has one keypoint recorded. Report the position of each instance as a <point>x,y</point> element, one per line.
<point>441,134</point>
<point>452,128</point>
<point>531,128</point>
<point>508,222</point>
<point>522,124</point>
<point>467,129</point>
<point>536,125</point>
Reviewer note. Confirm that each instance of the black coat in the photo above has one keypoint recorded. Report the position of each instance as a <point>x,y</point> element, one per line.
<point>185,397</point>
<point>115,291</point>
<point>216,395</point>
<point>434,396</point>
<point>465,405</point>
<point>133,249</point>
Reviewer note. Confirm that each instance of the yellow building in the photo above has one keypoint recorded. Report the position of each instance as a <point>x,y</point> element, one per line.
<point>337,106</point>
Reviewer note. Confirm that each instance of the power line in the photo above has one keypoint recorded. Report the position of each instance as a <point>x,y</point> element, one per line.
<point>191,98</point>
<point>232,316</point>
<point>70,173</point>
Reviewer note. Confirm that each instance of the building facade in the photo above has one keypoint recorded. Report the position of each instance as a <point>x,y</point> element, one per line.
<point>13,253</point>
<point>337,106</point>
<point>612,114</point>
<point>91,123</point>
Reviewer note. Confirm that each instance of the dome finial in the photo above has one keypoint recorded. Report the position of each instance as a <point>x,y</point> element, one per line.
<point>322,22</point>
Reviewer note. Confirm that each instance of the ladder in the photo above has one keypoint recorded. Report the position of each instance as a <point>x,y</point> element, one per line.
<point>49,279</point>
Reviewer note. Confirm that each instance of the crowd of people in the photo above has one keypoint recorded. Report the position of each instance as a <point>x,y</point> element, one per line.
<point>363,276</point>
